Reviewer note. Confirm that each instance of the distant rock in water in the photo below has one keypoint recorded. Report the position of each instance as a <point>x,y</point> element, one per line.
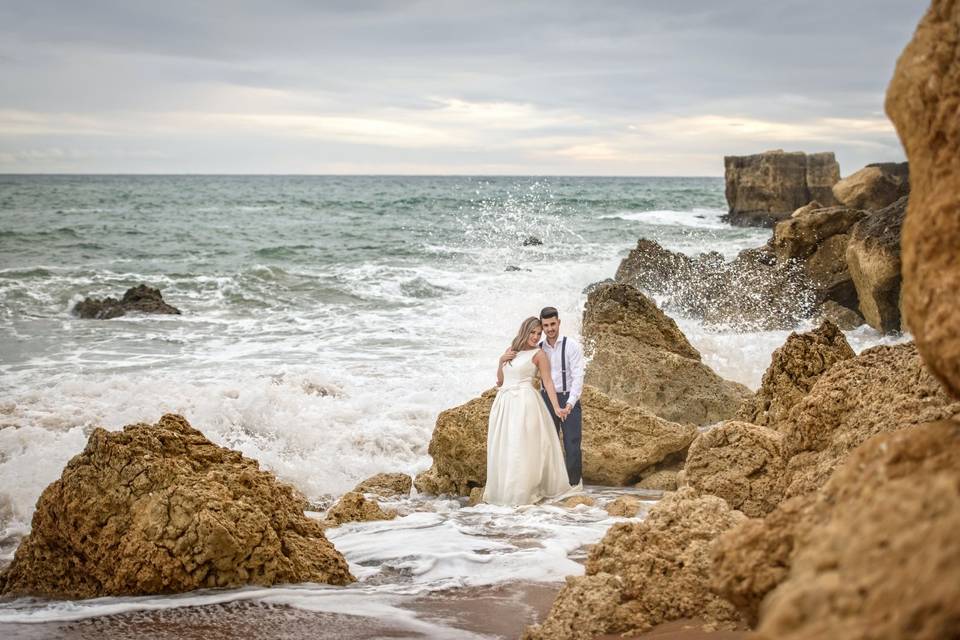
<point>532,241</point>
<point>513,267</point>
<point>142,299</point>
<point>766,187</point>
<point>160,509</point>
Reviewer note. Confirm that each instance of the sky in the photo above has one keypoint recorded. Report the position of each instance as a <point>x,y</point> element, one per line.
<point>558,87</point>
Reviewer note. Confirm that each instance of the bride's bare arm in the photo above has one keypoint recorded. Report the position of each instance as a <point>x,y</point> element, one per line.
<point>504,359</point>
<point>543,364</point>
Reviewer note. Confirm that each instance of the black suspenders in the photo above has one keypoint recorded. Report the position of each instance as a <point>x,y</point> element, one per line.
<point>563,361</point>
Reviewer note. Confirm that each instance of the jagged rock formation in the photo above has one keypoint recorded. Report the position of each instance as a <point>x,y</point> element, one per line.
<point>386,485</point>
<point>353,506</point>
<point>922,103</point>
<point>141,299</point>
<point>873,257</point>
<point>645,573</point>
<point>767,187</point>
<point>640,356</point>
<point>794,368</point>
<point>161,509</point>
<point>875,186</point>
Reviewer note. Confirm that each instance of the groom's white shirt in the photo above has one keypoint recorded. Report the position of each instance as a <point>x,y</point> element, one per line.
<point>575,367</point>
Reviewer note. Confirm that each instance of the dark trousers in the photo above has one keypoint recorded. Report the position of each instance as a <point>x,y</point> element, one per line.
<point>570,432</point>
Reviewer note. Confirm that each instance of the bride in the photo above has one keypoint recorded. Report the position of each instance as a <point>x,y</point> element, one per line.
<point>524,458</point>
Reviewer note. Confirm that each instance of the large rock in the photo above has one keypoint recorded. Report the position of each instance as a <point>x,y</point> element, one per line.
<point>794,368</point>
<point>801,236</point>
<point>770,186</point>
<point>922,102</point>
<point>353,506</point>
<point>883,388</point>
<point>873,554</point>
<point>386,485</point>
<point>620,443</point>
<point>644,573</point>
<point>640,356</point>
<point>873,257</point>
<point>161,509</point>
<point>140,299</point>
<point>740,462</point>
<point>875,186</point>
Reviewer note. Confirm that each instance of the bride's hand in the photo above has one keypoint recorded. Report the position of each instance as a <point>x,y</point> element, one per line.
<point>509,355</point>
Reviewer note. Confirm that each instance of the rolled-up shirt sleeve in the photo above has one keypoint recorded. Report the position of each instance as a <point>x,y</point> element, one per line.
<point>577,369</point>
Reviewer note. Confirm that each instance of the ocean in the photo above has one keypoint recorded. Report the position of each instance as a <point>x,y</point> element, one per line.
<point>326,321</point>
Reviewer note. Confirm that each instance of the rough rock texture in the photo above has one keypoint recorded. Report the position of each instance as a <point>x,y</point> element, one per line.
<point>640,356</point>
<point>877,555</point>
<point>844,318</point>
<point>793,370</point>
<point>644,573</point>
<point>142,299</point>
<point>881,389</point>
<point>575,501</point>
<point>810,207</point>
<point>386,485</point>
<point>922,102</point>
<point>624,507</point>
<point>619,443</point>
<point>873,257</point>
<point>740,462</point>
<point>875,186</point>
<point>161,509</point>
<point>801,236</point>
<point>662,480</point>
<point>354,507</point>
<point>767,187</point>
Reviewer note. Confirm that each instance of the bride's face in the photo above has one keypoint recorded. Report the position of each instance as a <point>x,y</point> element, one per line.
<point>534,337</point>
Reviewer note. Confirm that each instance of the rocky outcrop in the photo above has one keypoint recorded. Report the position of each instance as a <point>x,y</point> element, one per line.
<point>624,507</point>
<point>770,186</point>
<point>640,356</point>
<point>353,506</point>
<point>794,368</point>
<point>883,388</point>
<point>644,573</point>
<point>619,444</point>
<point>834,563</point>
<point>661,480</point>
<point>845,318</point>
<point>922,103</point>
<point>740,462</point>
<point>386,485</point>
<point>873,257</point>
<point>139,299</point>
<point>875,186</point>
<point>161,509</point>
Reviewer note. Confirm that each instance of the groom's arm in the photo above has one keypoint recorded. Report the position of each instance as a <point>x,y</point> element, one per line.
<point>577,370</point>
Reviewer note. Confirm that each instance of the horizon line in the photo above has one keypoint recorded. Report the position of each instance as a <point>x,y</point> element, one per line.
<point>353,175</point>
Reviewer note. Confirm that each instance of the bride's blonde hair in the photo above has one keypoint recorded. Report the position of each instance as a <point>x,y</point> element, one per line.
<point>521,340</point>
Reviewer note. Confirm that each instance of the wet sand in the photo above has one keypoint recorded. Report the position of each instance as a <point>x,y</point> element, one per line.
<point>682,630</point>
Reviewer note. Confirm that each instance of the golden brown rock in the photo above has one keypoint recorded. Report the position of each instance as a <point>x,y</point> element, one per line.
<point>354,507</point>
<point>575,501</point>
<point>874,187</point>
<point>619,443</point>
<point>660,480</point>
<point>794,368</point>
<point>624,507</point>
<point>845,318</point>
<point>644,573</point>
<point>740,462</point>
<point>386,485</point>
<point>640,356</point>
<point>161,509</point>
<point>922,102</point>
<point>800,237</point>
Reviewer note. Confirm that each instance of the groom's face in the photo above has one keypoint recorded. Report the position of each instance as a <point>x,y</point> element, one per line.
<point>551,327</point>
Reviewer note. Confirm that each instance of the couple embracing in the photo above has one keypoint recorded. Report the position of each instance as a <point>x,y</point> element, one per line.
<point>525,461</point>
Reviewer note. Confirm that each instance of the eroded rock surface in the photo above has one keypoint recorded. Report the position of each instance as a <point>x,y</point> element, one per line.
<point>875,186</point>
<point>141,299</point>
<point>161,509</point>
<point>353,506</point>
<point>386,485</point>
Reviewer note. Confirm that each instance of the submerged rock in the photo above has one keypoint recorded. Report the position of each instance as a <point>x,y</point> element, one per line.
<point>161,509</point>
<point>532,241</point>
<point>875,186</point>
<point>353,506</point>
<point>922,103</point>
<point>386,485</point>
<point>640,356</point>
<point>644,573</point>
<point>624,507</point>
<point>142,299</point>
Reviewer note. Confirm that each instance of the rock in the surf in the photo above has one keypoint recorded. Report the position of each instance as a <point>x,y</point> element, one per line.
<point>386,485</point>
<point>139,299</point>
<point>353,506</point>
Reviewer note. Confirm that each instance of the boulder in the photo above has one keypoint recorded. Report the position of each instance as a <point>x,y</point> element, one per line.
<point>882,559</point>
<point>922,103</point>
<point>640,356</point>
<point>810,207</point>
<point>794,368</point>
<point>740,462</point>
<point>875,186</point>
<point>644,573</point>
<point>770,186</point>
<point>141,299</point>
<point>354,507</point>
<point>882,388</point>
<point>620,442</point>
<point>386,485</point>
<point>845,318</point>
<point>624,507</point>
<point>661,480</point>
<point>801,236</point>
<point>160,509</point>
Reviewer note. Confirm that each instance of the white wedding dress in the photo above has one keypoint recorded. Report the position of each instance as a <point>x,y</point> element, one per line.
<point>524,457</point>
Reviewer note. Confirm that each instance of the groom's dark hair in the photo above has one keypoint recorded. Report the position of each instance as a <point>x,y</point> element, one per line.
<point>549,312</point>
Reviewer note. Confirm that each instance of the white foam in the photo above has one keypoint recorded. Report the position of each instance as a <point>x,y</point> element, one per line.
<point>697,218</point>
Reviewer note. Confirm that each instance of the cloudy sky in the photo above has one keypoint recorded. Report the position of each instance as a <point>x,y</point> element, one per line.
<point>642,87</point>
